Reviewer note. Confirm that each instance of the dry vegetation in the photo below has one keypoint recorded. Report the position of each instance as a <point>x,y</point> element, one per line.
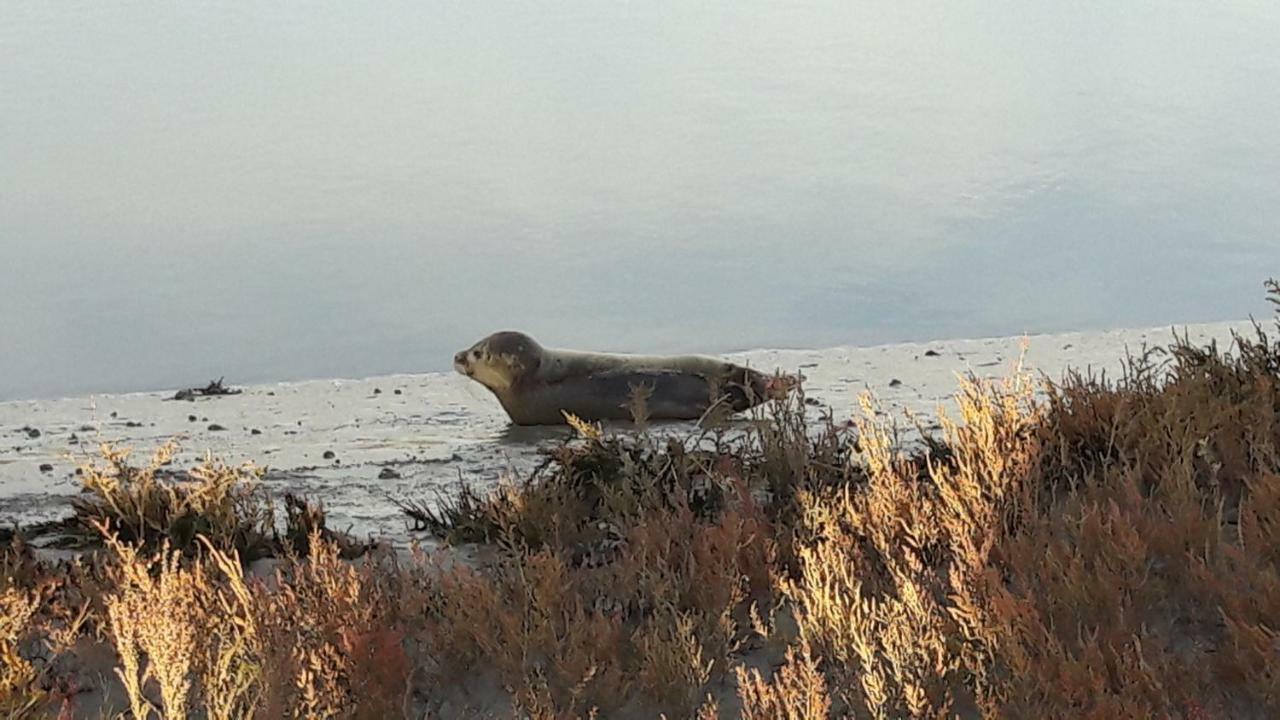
<point>1071,549</point>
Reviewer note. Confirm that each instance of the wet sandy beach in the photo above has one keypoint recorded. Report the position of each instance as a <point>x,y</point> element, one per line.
<point>356,445</point>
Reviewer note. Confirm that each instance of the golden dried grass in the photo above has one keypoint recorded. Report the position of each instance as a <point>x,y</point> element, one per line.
<point>151,504</point>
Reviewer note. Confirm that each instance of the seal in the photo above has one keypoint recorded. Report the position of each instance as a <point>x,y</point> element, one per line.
<point>537,385</point>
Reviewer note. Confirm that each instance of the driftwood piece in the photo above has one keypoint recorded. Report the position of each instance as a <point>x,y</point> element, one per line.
<point>213,389</point>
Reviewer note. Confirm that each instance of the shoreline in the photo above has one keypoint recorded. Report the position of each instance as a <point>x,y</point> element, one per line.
<point>731,353</point>
<point>354,444</point>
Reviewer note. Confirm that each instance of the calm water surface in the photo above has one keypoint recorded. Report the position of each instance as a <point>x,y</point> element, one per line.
<point>283,190</point>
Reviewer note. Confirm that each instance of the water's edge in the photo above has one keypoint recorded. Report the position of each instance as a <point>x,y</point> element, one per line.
<point>407,436</point>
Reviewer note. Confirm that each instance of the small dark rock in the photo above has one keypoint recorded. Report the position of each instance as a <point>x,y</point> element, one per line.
<point>811,401</point>
<point>204,419</point>
<point>255,431</point>
<point>388,474</point>
<point>86,428</point>
<point>398,391</point>
<point>33,433</point>
<point>215,427</point>
<point>133,423</point>
<point>329,455</point>
<point>73,439</point>
<point>192,418</point>
<point>115,414</point>
<point>931,353</point>
<point>895,382</point>
<point>272,393</point>
<point>377,391</point>
<point>46,467</point>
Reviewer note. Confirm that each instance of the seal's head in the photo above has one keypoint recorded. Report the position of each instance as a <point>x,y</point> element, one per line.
<point>500,360</point>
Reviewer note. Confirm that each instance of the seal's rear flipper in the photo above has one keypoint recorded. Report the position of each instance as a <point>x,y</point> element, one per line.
<point>753,388</point>
<point>778,387</point>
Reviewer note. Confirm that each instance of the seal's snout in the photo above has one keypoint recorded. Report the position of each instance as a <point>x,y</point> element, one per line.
<point>460,362</point>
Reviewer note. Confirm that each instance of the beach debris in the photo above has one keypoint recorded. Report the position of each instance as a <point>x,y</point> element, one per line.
<point>895,382</point>
<point>214,389</point>
<point>46,467</point>
<point>215,427</point>
<point>931,353</point>
<point>388,474</point>
<point>255,431</point>
<point>398,392</point>
<point>192,418</point>
<point>31,432</point>
<point>328,455</point>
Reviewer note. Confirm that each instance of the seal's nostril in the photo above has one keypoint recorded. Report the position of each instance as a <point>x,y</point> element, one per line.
<point>459,357</point>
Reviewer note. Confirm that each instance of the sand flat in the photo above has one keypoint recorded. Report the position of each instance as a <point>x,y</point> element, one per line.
<point>442,426</point>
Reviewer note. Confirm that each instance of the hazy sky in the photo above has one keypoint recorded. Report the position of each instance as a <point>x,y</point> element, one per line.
<point>287,190</point>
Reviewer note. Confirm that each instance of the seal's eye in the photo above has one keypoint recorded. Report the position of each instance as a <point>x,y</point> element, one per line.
<point>475,354</point>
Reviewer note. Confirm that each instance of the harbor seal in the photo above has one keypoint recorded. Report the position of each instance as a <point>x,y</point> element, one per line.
<point>537,385</point>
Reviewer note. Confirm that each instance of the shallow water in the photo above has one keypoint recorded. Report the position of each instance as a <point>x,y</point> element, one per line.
<point>410,437</point>
<point>284,191</point>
